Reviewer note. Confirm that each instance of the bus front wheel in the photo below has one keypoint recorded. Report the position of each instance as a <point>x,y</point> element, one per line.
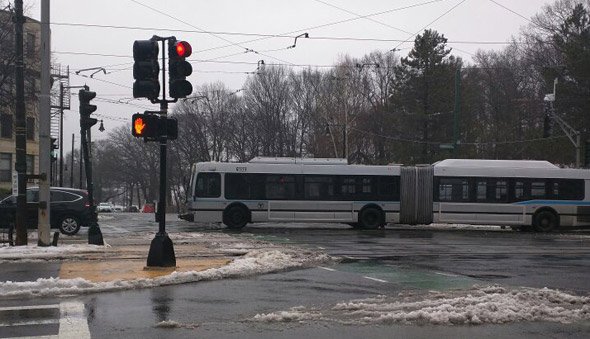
<point>235,217</point>
<point>546,221</point>
<point>371,218</point>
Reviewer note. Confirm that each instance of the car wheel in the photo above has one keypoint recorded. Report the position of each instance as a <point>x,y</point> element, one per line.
<point>69,225</point>
<point>546,221</point>
<point>370,218</point>
<point>235,217</point>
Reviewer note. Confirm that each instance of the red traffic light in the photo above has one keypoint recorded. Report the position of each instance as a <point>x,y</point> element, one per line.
<point>183,49</point>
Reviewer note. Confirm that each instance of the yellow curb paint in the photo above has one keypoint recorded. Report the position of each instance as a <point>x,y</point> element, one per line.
<point>102,271</point>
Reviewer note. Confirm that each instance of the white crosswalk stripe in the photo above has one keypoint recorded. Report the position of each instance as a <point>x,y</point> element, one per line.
<point>70,317</point>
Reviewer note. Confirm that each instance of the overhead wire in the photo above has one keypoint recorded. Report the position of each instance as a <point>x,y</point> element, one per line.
<point>195,27</point>
<point>285,36</point>
<point>507,142</point>
<point>384,24</point>
<point>430,23</point>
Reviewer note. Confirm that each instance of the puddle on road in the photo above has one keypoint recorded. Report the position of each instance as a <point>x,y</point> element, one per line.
<point>408,278</point>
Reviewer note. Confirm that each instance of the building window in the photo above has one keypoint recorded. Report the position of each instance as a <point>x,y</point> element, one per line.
<point>6,126</point>
<point>5,167</point>
<point>30,164</point>
<point>30,128</point>
<point>30,44</point>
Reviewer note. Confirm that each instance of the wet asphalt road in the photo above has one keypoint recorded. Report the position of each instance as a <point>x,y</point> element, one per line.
<point>382,262</point>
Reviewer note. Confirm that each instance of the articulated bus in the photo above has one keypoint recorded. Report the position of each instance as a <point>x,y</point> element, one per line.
<point>520,194</point>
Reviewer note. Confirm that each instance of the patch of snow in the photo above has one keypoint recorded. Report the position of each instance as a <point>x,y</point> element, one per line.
<point>51,252</point>
<point>295,314</point>
<point>174,324</point>
<point>254,262</point>
<point>479,305</point>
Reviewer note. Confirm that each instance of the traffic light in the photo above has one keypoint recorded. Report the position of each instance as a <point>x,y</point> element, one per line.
<point>151,126</point>
<point>54,144</point>
<point>179,68</point>
<point>146,69</point>
<point>145,126</point>
<point>84,95</point>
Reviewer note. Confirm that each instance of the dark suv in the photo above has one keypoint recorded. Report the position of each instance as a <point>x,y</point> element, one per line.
<point>69,209</point>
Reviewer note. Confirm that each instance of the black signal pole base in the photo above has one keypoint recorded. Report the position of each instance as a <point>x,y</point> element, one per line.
<point>161,252</point>
<point>95,235</point>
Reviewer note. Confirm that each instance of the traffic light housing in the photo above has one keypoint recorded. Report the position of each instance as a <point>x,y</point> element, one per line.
<point>146,69</point>
<point>86,108</point>
<point>179,68</point>
<point>152,126</point>
<point>145,126</point>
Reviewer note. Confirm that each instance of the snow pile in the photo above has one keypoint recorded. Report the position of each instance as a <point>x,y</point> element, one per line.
<point>255,262</point>
<point>295,314</point>
<point>51,252</point>
<point>487,305</point>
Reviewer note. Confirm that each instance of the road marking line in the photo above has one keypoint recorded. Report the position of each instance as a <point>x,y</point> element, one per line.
<point>32,307</point>
<point>327,269</point>
<point>73,323</point>
<point>375,279</point>
<point>31,322</point>
<point>446,274</point>
<point>321,248</point>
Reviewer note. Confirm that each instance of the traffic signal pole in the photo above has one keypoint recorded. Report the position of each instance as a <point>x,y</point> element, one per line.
<point>150,127</point>
<point>161,252</point>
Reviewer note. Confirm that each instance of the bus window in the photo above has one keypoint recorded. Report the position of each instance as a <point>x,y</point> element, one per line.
<point>348,186</point>
<point>318,187</point>
<point>389,188</point>
<point>570,189</point>
<point>519,191</point>
<point>452,189</point>
<point>237,186</point>
<point>280,187</point>
<point>208,185</point>
<point>481,190</point>
<point>501,187</point>
<point>538,189</point>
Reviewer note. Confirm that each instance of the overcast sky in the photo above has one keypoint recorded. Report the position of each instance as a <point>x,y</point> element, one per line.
<point>83,47</point>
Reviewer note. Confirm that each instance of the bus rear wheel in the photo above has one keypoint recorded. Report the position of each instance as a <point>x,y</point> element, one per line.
<point>546,221</point>
<point>371,218</point>
<point>235,217</point>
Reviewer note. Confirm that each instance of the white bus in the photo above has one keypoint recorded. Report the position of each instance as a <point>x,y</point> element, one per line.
<point>517,193</point>
<point>288,189</point>
<point>520,194</point>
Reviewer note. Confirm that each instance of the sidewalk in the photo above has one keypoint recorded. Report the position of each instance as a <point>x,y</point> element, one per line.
<point>72,258</point>
<point>74,267</point>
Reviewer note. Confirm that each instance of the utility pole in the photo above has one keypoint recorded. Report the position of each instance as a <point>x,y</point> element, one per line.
<point>44,228</point>
<point>456,111</point>
<point>61,134</point>
<point>72,166</point>
<point>21,127</point>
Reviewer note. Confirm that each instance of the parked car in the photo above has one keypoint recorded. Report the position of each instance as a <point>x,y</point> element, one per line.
<point>105,207</point>
<point>132,208</point>
<point>69,209</point>
<point>118,208</point>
